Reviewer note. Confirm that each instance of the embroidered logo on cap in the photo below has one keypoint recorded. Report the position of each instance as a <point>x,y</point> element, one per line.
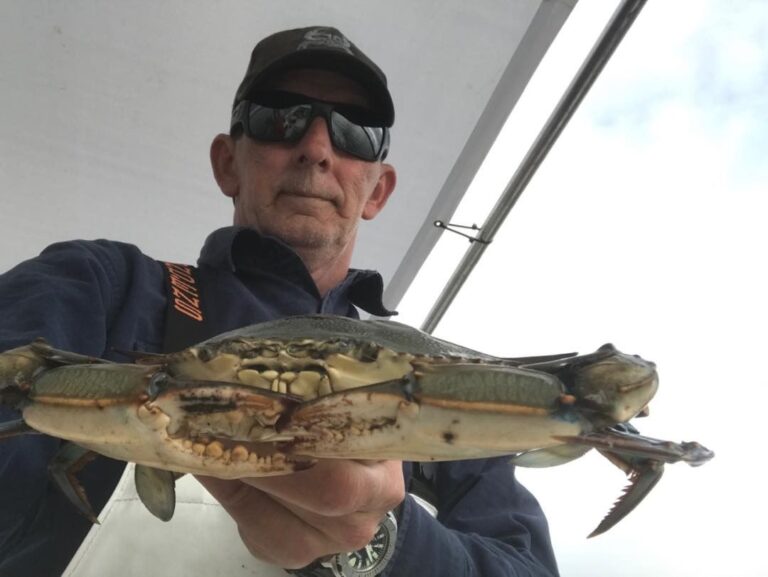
<point>325,37</point>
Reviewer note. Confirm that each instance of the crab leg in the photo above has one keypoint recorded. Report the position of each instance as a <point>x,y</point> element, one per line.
<point>621,440</point>
<point>642,460</point>
<point>437,413</point>
<point>157,490</point>
<point>65,465</point>
<point>13,428</point>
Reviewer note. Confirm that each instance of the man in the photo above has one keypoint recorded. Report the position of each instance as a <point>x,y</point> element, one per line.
<point>303,164</point>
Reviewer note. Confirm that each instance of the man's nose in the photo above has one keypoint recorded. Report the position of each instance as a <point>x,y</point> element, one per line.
<point>315,147</point>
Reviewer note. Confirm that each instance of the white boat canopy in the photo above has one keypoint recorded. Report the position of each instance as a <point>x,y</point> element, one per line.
<point>107,110</point>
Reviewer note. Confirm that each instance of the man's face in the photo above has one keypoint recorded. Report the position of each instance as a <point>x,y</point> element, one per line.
<point>308,193</point>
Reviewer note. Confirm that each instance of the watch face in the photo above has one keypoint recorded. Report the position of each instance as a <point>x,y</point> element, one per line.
<point>371,559</point>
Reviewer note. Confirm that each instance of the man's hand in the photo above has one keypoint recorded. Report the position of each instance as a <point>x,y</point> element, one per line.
<point>291,520</point>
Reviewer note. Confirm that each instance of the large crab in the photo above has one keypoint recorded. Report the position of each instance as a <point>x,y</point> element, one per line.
<point>271,398</point>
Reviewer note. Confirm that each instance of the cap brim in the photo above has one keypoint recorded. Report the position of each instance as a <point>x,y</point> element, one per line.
<point>345,64</point>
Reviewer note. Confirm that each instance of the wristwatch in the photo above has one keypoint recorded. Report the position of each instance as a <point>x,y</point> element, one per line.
<point>366,562</point>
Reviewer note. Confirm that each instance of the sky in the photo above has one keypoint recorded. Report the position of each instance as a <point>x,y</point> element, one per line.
<point>645,228</point>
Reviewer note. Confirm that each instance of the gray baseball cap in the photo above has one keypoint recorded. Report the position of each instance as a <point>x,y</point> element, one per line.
<point>316,47</point>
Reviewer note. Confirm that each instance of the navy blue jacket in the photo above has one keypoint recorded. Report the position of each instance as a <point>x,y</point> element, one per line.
<point>97,297</point>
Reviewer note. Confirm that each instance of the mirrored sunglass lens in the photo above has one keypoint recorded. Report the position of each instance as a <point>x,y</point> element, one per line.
<point>279,124</point>
<point>362,141</point>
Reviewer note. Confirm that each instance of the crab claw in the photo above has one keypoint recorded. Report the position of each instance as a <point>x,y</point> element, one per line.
<point>643,476</point>
<point>17,366</point>
<point>461,411</point>
<point>641,458</point>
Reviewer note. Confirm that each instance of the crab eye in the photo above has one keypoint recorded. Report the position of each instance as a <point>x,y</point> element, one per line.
<point>267,351</point>
<point>297,350</point>
<point>369,352</point>
<point>204,354</point>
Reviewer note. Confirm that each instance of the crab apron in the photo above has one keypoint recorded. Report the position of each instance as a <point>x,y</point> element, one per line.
<point>200,540</point>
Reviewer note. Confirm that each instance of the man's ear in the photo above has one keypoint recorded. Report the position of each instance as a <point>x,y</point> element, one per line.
<point>223,164</point>
<point>380,194</point>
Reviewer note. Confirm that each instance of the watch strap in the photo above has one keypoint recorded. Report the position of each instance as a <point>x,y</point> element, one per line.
<point>332,566</point>
<point>319,568</point>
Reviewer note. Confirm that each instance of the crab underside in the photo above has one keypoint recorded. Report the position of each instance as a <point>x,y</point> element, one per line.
<point>273,398</point>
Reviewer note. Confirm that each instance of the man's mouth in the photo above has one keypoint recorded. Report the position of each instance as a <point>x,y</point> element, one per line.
<point>307,195</point>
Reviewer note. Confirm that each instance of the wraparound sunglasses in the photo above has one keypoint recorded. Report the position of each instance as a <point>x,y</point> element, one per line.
<point>285,117</point>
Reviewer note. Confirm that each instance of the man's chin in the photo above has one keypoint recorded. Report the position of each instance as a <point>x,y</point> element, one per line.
<point>305,237</point>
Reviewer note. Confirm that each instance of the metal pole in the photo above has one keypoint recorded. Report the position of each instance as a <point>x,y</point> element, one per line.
<point>612,35</point>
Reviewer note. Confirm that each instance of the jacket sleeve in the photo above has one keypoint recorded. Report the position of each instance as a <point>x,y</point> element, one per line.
<point>488,525</point>
<point>67,295</point>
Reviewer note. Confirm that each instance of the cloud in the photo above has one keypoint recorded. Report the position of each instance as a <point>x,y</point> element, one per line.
<point>697,72</point>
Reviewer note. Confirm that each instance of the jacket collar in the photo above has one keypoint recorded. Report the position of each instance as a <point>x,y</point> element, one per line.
<point>245,251</point>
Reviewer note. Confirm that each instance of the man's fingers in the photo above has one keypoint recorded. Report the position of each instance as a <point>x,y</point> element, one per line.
<point>292,520</point>
<point>342,532</point>
<point>270,531</point>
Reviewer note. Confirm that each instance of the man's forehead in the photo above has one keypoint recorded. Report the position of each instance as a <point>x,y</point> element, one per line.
<point>321,84</point>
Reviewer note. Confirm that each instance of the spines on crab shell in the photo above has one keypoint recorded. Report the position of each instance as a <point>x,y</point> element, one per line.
<point>344,333</point>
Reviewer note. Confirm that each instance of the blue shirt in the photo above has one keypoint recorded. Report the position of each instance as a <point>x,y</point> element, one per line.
<point>101,297</point>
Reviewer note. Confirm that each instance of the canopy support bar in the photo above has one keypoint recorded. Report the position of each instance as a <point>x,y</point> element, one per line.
<point>611,37</point>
